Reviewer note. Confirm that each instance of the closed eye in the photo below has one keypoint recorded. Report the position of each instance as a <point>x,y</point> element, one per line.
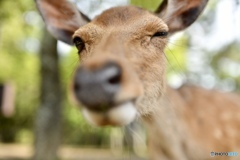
<point>160,34</point>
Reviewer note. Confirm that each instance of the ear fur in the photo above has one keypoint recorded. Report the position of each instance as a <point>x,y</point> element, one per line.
<point>179,14</point>
<point>61,17</point>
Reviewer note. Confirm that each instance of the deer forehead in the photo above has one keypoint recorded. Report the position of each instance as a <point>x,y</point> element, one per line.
<point>119,22</point>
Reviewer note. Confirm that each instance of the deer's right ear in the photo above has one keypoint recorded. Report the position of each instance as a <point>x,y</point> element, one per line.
<point>61,17</point>
<point>179,14</point>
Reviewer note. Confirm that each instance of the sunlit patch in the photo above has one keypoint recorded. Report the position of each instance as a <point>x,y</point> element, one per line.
<point>122,114</point>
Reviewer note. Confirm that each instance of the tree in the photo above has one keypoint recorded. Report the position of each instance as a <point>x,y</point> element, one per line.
<point>47,130</point>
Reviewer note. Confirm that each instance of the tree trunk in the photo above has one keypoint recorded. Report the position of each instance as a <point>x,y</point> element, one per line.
<point>47,129</point>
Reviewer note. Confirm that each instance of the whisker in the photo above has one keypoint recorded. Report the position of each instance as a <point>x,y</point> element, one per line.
<point>125,137</point>
<point>70,74</point>
<point>180,66</point>
<point>176,44</point>
<point>137,135</point>
<point>171,66</point>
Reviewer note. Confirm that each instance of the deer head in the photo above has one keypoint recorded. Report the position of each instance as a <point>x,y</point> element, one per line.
<point>122,69</point>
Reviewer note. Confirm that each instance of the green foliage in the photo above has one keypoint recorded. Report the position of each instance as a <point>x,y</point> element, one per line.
<point>14,8</point>
<point>226,64</point>
<point>18,65</point>
<point>151,5</point>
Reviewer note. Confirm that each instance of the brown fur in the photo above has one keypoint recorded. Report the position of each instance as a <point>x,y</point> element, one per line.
<point>130,45</point>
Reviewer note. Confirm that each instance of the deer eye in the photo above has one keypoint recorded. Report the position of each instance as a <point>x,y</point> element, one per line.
<point>161,34</point>
<point>79,43</point>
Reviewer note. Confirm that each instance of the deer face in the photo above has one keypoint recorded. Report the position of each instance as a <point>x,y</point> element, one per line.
<point>121,74</point>
<point>122,65</point>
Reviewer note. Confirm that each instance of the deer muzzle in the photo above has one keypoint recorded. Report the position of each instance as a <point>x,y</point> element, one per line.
<point>96,90</point>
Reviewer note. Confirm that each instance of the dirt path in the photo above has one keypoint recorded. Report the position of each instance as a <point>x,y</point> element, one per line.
<point>24,152</point>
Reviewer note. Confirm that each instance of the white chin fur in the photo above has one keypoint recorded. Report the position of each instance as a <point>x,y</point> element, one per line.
<point>118,115</point>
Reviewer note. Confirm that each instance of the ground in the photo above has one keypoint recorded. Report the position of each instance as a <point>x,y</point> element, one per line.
<point>24,152</point>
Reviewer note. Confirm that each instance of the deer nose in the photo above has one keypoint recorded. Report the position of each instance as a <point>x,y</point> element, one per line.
<point>96,89</point>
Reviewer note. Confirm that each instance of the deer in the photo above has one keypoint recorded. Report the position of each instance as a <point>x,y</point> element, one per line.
<point>122,77</point>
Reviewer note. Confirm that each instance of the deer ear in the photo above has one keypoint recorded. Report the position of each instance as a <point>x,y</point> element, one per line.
<point>61,17</point>
<point>179,14</point>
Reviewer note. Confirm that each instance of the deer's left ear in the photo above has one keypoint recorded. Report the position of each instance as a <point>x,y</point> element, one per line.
<point>179,14</point>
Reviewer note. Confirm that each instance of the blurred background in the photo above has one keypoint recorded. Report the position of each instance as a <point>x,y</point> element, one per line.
<point>38,120</point>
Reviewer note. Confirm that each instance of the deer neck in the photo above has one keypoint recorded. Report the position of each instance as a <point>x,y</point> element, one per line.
<point>165,128</point>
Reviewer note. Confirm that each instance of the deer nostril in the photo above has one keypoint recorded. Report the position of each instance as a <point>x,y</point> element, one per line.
<point>112,72</point>
<point>76,87</point>
<point>115,79</point>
